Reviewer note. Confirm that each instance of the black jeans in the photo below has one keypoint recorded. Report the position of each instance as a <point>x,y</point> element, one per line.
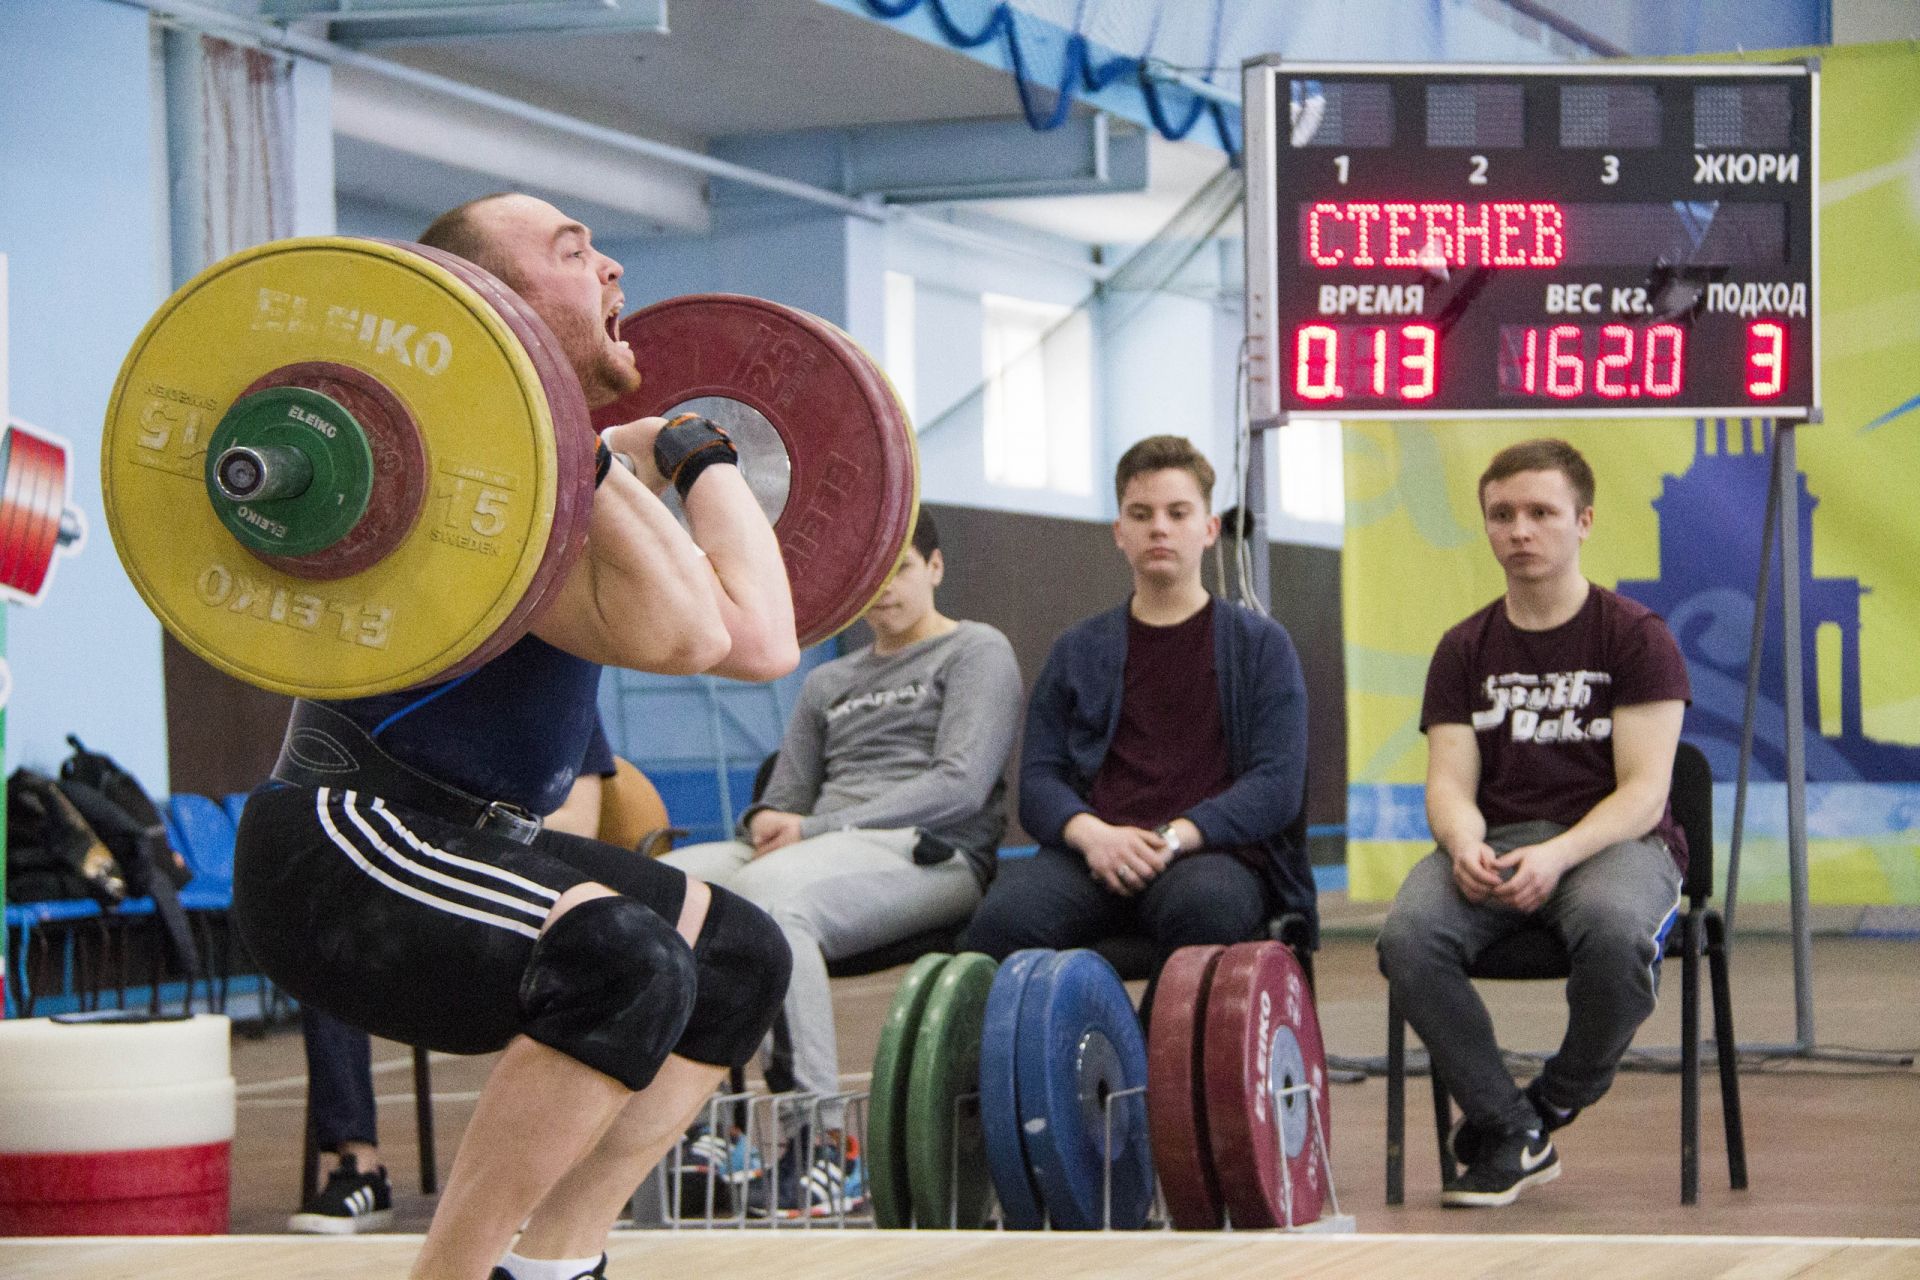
<point>339,1081</point>
<point>1052,900</point>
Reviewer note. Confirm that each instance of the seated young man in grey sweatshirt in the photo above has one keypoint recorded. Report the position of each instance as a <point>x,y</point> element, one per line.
<point>896,746</point>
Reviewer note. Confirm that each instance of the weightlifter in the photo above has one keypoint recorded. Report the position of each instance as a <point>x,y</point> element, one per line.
<point>393,877</point>
<point>1552,717</point>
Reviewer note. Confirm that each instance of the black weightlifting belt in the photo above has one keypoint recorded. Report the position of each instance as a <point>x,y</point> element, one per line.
<point>324,748</point>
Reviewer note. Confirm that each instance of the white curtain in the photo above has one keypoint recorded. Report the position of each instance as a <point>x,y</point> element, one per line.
<point>240,176</point>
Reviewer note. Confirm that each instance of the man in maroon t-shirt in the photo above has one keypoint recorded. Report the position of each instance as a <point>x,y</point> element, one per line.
<point>1552,716</point>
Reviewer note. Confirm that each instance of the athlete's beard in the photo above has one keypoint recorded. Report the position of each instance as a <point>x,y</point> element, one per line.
<point>605,375</point>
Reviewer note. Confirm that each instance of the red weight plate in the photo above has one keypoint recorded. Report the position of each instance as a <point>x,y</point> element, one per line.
<point>574,439</point>
<point>1262,1035</point>
<point>16,507</point>
<point>1176,1091</point>
<point>399,467</point>
<point>163,1191</point>
<point>854,487</point>
<point>34,496</point>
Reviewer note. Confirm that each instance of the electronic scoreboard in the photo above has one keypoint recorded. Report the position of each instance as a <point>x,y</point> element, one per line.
<point>1505,241</point>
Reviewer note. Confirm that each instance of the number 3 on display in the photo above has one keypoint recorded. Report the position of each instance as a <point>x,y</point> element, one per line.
<point>1766,359</point>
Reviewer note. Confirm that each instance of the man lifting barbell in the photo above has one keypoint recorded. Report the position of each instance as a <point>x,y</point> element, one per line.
<point>392,877</point>
<point>602,974</point>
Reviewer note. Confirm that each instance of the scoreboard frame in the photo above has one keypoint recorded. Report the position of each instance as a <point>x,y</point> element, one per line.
<point>1282,283</point>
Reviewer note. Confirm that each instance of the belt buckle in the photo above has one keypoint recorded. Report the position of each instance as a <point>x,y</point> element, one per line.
<point>510,820</point>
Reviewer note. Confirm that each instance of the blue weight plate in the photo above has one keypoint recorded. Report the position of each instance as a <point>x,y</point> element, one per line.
<point>1080,1043</point>
<point>999,1102</point>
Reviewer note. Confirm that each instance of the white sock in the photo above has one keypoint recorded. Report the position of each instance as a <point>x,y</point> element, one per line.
<point>549,1268</point>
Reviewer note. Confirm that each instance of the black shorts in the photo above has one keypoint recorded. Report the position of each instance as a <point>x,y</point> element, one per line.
<point>408,926</point>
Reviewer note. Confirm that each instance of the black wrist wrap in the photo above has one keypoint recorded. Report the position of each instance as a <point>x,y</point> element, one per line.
<point>689,445</point>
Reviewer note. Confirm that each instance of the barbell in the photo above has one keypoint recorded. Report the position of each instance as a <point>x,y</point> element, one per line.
<point>336,467</point>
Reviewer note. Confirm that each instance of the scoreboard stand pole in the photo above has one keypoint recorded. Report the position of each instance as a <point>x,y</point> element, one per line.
<point>1255,499</point>
<point>1782,520</point>
<point>1786,500</point>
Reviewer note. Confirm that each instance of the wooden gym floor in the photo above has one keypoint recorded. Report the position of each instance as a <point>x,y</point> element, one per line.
<point>977,1256</point>
<point>1833,1152</point>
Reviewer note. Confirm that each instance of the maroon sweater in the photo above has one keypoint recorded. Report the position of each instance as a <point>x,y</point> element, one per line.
<point>1169,751</point>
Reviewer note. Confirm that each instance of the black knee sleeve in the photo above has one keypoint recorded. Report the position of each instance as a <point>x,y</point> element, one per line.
<point>743,964</point>
<point>611,985</point>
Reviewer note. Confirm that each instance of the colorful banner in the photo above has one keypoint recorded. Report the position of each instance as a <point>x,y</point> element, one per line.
<point>1677,525</point>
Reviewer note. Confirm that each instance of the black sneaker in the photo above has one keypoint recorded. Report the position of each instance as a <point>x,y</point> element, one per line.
<point>1551,1117</point>
<point>1506,1168</point>
<point>1469,1141</point>
<point>350,1203</point>
<point>599,1272</point>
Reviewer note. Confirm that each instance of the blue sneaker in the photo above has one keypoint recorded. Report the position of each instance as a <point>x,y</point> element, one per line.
<point>833,1185</point>
<point>710,1164</point>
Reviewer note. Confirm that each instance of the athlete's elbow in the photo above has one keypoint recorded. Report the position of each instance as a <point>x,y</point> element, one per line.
<point>688,650</point>
<point>761,658</point>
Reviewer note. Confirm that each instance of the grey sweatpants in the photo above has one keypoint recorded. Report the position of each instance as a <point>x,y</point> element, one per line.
<point>1612,911</point>
<point>834,895</point>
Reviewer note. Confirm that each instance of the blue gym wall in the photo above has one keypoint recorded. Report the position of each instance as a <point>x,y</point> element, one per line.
<point>82,155</point>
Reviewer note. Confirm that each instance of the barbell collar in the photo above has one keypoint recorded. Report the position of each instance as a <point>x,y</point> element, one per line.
<point>261,473</point>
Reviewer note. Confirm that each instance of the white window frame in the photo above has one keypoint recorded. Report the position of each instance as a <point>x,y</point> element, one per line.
<point>900,346</point>
<point>1037,410</point>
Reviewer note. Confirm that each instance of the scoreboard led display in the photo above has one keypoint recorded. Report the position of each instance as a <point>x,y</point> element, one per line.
<point>1479,241</point>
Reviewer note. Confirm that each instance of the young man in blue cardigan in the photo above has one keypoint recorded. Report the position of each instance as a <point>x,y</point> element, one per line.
<point>1165,751</point>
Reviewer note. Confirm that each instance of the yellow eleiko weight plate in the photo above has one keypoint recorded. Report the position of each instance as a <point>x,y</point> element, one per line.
<point>486,427</point>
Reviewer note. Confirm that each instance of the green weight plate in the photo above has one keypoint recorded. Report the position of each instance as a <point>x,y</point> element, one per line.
<point>951,1188</point>
<point>329,495</point>
<point>886,1152</point>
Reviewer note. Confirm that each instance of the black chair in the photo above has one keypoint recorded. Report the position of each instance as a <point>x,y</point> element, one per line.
<point>1537,955</point>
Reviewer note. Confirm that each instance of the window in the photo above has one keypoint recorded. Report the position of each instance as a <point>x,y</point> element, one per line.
<point>1038,366</point>
<point>900,353</point>
<point>1312,486</point>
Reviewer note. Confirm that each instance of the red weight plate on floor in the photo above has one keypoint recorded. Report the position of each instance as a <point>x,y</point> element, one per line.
<point>853,488</point>
<point>163,1191</point>
<point>574,452</point>
<point>399,467</point>
<point>1176,1090</point>
<point>1262,1036</point>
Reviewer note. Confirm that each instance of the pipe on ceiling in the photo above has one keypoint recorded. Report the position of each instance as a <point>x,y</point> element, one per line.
<point>189,13</point>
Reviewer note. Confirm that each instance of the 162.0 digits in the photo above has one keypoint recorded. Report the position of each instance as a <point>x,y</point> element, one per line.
<point>1614,361</point>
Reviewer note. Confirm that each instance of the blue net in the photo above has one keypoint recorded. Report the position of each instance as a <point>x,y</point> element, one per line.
<point>1114,43</point>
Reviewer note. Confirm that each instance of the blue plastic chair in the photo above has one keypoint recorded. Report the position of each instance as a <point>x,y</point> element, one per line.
<point>82,974</point>
<point>204,831</point>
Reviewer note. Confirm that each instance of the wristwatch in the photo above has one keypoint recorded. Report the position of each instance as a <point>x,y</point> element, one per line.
<point>1166,832</point>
